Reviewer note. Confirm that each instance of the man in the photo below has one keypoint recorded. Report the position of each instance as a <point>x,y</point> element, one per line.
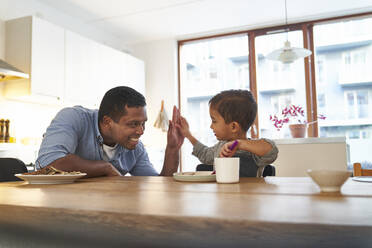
<point>105,142</point>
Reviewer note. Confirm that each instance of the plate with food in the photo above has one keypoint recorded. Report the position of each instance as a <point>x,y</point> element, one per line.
<point>50,175</point>
<point>197,176</point>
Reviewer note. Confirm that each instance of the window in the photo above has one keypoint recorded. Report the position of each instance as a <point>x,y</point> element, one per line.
<point>321,70</point>
<point>365,134</point>
<point>362,103</point>
<point>350,107</point>
<point>345,47</point>
<point>208,67</point>
<point>357,104</point>
<point>339,87</point>
<point>278,85</point>
<point>321,101</point>
<point>353,135</point>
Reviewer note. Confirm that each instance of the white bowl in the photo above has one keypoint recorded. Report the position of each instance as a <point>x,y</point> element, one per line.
<point>329,180</point>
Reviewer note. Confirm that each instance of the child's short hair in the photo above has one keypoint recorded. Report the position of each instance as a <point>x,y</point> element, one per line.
<point>235,105</point>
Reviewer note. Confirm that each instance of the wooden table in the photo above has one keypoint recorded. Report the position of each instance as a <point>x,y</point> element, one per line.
<point>160,212</point>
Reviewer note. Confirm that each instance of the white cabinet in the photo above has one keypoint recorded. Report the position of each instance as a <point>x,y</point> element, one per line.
<point>112,69</point>
<point>134,73</point>
<point>93,68</point>
<point>36,47</point>
<point>65,67</point>
<point>83,74</point>
<point>298,155</point>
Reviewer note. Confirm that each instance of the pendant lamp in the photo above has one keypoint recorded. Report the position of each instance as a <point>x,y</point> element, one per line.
<point>288,54</point>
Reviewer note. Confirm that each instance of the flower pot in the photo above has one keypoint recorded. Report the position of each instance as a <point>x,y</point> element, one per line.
<point>298,130</point>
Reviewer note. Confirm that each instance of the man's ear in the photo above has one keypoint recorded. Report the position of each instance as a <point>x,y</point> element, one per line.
<point>106,120</point>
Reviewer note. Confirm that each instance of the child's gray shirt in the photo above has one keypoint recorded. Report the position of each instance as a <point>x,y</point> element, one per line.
<point>206,154</point>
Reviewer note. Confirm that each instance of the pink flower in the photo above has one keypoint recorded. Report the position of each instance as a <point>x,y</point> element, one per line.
<point>296,113</point>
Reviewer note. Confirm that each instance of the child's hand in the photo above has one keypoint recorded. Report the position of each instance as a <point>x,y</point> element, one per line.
<point>184,127</point>
<point>229,149</point>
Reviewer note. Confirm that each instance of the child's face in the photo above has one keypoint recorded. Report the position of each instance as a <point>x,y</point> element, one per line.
<point>220,129</point>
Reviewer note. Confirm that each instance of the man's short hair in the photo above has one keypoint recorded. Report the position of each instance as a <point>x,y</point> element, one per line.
<point>235,105</point>
<point>114,102</point>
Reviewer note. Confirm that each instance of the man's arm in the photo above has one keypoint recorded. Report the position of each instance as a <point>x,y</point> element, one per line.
<point>93,168</point>
<point>174,142</point>
<point>171,161</point>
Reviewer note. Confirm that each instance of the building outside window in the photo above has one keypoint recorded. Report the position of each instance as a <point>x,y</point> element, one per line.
<point>345,47</point>
<point>208,67</point>
<point>343,76</point>
<point>278,85</point>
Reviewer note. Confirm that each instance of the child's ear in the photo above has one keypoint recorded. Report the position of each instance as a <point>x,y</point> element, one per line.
<point>235,127</point>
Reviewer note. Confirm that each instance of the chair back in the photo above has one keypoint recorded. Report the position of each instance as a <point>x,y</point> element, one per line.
<point>358,171</point>
<point>269,170</point>
<point>204,167</point>
<point>9,167</point>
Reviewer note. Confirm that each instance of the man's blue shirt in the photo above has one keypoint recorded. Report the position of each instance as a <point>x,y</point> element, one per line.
<point>75,131</point>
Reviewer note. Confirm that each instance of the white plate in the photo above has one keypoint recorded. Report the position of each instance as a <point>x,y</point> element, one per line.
<point>50,179</point>
<point>363,179</point>
<point>198,176</point>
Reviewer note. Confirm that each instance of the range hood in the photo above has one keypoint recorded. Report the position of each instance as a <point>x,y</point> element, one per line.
<point>9,72</point>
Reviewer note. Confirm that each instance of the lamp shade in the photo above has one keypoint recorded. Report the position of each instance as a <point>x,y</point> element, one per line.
<point>288,54</point>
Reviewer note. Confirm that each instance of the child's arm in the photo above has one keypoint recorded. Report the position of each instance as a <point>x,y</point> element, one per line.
<point>203,153</point>
<point>259,147</point>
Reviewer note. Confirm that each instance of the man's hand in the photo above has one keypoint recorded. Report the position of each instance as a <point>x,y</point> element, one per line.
<point>174,142</point>
<point>93,168</point>
<point>175,137</point>
<point>111,171</point>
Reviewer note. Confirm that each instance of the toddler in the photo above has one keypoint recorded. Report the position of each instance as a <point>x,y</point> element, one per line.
<point>232,113</point>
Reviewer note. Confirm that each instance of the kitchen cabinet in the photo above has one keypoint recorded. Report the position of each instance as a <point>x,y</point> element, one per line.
<point>36,47</point>
<point>93,68</point>
<point>83,73</point>
<point>298,155</point>
<point>135,73</point>
<point>65,67</point>
<point>113,67</point>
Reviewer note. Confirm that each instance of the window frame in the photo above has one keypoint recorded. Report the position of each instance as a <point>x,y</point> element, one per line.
<point>309,62</point>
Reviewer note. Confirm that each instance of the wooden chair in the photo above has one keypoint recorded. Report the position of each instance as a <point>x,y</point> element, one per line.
<point>358,171</point>
<point>9,167</point>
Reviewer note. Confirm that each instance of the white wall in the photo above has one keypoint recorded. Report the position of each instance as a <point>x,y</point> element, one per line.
<point>161,84</point>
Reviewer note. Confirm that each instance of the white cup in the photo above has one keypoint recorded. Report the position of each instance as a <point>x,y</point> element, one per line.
<point>227,170</point>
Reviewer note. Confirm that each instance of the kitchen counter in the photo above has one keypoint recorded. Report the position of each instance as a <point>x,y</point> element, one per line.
<point>323,140</point>
<point>298,155</point>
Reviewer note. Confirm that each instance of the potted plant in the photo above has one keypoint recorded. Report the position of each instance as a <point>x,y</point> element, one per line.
<point>295,116</point>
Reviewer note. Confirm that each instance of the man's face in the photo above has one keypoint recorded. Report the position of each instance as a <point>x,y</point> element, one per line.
<point>127,131</point>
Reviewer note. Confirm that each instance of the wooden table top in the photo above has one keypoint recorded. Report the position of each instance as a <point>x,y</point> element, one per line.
<point>146,203</point>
